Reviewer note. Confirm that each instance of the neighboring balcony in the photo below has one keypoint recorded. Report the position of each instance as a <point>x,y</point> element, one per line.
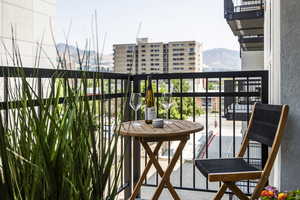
<point>252,43</point>
<point>246,18</point>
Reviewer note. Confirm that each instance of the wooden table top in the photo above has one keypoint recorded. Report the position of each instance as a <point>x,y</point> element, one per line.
<point>177,128</point>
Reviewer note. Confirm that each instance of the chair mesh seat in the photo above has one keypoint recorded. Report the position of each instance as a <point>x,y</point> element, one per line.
<point>228,165</point>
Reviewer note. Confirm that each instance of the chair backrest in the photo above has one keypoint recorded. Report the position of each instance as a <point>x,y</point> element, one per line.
<point>265,122</point>
<point>266,126</point>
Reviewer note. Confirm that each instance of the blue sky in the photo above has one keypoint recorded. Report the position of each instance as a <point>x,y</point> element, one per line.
<point>162,20</point>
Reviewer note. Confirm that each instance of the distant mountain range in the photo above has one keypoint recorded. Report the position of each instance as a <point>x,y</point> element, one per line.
<point>221,59</point>
<point>64,49</point>
<point>218,59</point>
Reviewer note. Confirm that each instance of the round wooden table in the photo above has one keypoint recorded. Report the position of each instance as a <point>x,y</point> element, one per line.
<point>178,130</point>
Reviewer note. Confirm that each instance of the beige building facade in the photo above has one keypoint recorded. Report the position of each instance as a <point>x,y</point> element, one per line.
<point>158,57</point>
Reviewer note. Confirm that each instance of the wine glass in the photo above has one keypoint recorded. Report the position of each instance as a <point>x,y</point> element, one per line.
<point>135,103</point>
<point>166,101</point>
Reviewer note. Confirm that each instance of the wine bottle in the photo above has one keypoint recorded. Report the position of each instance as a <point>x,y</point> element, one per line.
<point>150,113</point>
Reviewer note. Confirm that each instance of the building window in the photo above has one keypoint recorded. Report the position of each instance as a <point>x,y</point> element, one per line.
<point>175,59</point>
<point>191,58</point>
<point>129,60</point>
<point>143,50</point>
<point>192,63</point>
<point>143,64</point>
<point>192,54</point>
<point>191,44</point>
<point>192,49</point>
<point>180,49</point>
<point>178,54</point>
<point>129,56</point>
<point>154,45</point>
<point>129,64</point>
<point>144,68</point>
<point>143,60</point>
<point>178,45</point>
<point>143,46</point>
<point>143,55</point>
<point>178,68</point>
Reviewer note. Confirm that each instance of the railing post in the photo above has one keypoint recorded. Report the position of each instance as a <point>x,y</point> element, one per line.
<point>265,100</point>
<point>228,7</point>
<point>136,145</point>
<point>127,146</point>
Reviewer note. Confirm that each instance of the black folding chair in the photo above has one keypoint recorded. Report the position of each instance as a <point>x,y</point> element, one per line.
<point>266,126</point>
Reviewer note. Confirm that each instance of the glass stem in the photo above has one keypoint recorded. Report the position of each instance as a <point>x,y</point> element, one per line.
<point>136,113</point>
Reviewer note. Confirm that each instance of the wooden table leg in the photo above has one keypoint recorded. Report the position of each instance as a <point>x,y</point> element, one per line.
<point>144,174</point>
<point>152,157</point>
<point>166,176</point>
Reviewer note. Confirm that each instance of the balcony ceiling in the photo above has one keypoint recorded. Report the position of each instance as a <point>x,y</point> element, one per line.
<point>247,26</point>
<point>252,44</point>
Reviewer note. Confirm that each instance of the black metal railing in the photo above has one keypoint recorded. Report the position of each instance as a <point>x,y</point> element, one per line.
<point>214,93</point>
<point>238,6</point>
<point>206,98</point>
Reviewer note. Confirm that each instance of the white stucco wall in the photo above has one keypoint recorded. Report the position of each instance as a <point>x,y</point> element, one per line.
<point>282,58</point>
<point>272,63</point>
<point>252,60</point>
<point>30,20</point>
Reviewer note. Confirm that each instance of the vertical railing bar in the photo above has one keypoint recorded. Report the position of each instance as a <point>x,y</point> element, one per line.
<point>233,116</point>
<point>102,99</point>
<point>53,86</point>
<point>127,147</point>
<point>157,113</point>
<point>264,99</point>
<point>122,138</point>
<point>220,117</point>
<point>169,114</point>
<point>181,117</point>
<point>206,124</point>
<point>65,87</point>
<point>220,120</point>
<point>40,94</point>
<point>116,122</point>
<point>248,111</point>
<point>109,125</point>
<point>194,139</point>
<point>5,95</point>
<point>146,156</point>
<point>136,145</point>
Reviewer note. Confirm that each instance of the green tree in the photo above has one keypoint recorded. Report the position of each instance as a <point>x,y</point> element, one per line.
<point>175,111</point>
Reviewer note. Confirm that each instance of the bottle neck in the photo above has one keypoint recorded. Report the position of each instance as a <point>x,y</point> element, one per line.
<point>149,83</point>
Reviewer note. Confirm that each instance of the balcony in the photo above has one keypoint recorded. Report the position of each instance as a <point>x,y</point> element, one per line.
<point>214,99</point>
<point>246,18</point>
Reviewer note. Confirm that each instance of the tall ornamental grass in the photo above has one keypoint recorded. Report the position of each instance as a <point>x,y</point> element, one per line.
<point>53,147</point>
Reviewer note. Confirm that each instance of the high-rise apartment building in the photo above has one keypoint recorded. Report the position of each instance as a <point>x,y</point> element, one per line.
<point>158,57</point>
